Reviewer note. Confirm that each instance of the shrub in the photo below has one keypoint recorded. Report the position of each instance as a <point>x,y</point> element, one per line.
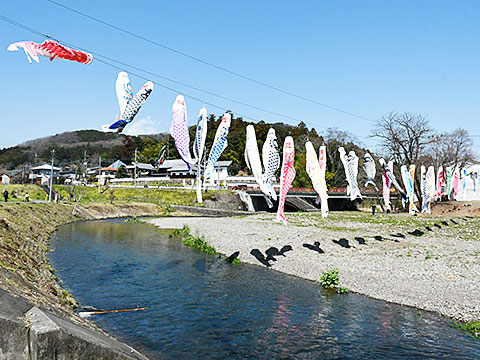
<point>329,279</point>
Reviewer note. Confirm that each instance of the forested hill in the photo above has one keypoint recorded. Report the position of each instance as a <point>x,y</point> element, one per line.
<point>70,148</point>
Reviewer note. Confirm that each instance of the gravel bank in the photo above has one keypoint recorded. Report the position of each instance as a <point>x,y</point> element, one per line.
<point>436,267</point>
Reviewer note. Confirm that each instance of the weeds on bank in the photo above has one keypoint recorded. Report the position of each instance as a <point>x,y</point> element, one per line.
<point>194,241</point>
<point>132,220</point>
<point>68,298</point>
<point>473,327</point>
<point>330,280</point>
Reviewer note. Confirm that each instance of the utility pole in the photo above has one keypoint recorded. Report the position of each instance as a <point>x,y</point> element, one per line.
<point>85,165</point>
<point>51,178</point>
<point>135,171</point>
<point>99,173</point>
<point>168,146</point>
<point>34,164</point>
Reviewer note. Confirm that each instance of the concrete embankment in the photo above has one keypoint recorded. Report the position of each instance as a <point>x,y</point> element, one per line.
<point>36,315</point>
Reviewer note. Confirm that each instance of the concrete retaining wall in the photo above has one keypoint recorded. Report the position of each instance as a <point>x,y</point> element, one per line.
<point>28,332</point>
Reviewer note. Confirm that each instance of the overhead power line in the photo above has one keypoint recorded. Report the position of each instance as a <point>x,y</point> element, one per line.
<point>205,62</point>
<point>198,89</point>
<point>100,56</point>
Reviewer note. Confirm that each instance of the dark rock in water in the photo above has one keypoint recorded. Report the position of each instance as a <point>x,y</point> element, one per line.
<point>378,238</point>
<point>260,257</point>
<point>444,223</point>
<point>416,232</point>
<point>398,235</point>
<point>285,248</point>
<point>271,252</point>
<point>453,221</point>
<point>360,240</point>
<point>232,257</point>
<point>314,247</point>
<point>428,228</point>
<point>342,242</point>
<point>438,226</point>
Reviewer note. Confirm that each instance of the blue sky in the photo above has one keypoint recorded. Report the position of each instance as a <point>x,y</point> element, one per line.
<point>368,58</point>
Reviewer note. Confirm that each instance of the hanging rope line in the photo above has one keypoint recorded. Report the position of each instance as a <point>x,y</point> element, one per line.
<point>218,67</point>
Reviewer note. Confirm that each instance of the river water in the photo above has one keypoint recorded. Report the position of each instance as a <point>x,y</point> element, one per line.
<point>200,307</point>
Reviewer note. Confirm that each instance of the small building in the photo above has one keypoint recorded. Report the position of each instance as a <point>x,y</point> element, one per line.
<point>41,174</point>
<point>142,169</point>
<point>108,172</point>
<point>69,174</point>
<point>178,168</point>
<point>93,171</point>
<point>5,179</point>
<point>220,170</point>
<point>175,168</point>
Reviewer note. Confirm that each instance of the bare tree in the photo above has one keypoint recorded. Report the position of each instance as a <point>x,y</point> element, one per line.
<point>344,137</point>
<point>405,137</point>
<point>453,149</point>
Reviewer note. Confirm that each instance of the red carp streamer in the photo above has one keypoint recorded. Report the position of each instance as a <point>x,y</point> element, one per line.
<point>52,50</point>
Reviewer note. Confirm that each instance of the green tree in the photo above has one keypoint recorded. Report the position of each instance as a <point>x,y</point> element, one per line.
<point>122,172</point>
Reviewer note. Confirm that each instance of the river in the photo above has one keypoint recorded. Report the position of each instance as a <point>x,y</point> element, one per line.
<point>201,307</point>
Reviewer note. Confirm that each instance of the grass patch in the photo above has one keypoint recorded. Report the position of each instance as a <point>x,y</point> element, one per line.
<point>68,298</point>
<point>162,197</point>
<point>132,220</point>
<point>16,192</point>
<point>473,327</point>
<point>194,241</point>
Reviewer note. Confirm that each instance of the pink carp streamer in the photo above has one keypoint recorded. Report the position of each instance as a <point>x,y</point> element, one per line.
<point>179,130</point>
<point>286,177</point>
<point>439,183</point>
<point>456,180</point>
<point>386,186</point>
<point>52,50</point>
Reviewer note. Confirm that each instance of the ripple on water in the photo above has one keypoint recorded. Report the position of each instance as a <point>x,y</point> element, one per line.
<point>202,307</point>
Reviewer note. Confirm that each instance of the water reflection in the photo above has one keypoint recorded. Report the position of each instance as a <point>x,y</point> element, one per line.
<point>201,307</point>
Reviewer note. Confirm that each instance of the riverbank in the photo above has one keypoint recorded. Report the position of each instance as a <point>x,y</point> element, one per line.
<point>428,262</point>
<point>25,275</point>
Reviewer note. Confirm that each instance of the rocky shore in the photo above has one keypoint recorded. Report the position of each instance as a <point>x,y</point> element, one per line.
<point>428,262</point>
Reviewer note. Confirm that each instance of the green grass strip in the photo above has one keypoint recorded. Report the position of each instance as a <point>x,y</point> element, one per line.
<point>194,241</point>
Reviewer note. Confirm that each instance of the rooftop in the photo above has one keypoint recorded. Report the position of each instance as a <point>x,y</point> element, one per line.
<point>179,164</point>
<point>46,167</point>
<point>117,164</point>
<point>141,166</point>
<point>108,168</point>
